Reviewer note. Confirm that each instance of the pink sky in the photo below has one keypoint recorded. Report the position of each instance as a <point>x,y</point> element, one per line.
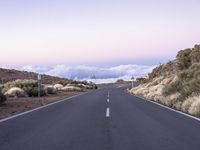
<point>61,32</point>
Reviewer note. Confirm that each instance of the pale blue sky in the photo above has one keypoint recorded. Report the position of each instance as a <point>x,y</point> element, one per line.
<point>36,32</point>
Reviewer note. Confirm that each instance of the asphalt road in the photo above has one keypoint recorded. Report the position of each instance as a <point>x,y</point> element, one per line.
<point>105,119</point>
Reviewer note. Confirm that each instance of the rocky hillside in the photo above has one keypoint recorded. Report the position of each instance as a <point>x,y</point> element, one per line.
<point>7,75</point>
<point>176,83</point>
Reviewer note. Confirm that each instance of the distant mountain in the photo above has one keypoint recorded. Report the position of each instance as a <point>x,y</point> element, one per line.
<point>176,83</point>
<point>7,75</point>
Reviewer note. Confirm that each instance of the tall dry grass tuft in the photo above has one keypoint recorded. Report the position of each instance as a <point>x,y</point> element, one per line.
<point>23,84</point>
<point>195,107</point>
<point>175,83</point>
<point>15,92</point>
<point>72,89</point>
<point>187,104</point>
<point>153,90</point>
<point>58,87</point>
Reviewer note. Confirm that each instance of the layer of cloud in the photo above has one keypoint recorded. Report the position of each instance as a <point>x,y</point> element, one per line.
<point>102,74</point>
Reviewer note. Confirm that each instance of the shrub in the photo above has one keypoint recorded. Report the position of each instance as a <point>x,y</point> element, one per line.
<point>30,87</point>
<point>141,80</point>
<point>195,55</point>
<point>172,88</point>
<point>15,92</point>
<point>120,81</point>
<point>187,104</point>
<point>190,81</point>
<point>178,92</point>
<point>195,107</point>
<point>50,90</point>
<point>183,59</point>
<point>81,84</point>
<point>72,89</point>
<point>26,85</point>
<point>58,87</point>
<point>177,105</point>
<point>2,97</point>
<point>33,92</point>
<point>95,86</point>
<point>63,82</point>
<point>88,86</point>
<point>73,82</point>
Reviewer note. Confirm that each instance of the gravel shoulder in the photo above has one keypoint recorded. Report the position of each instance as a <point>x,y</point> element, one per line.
<point>17,105</point>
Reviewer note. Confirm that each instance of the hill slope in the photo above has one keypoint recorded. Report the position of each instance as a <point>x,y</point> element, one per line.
<point>176,83</point>
<point>7,75</point>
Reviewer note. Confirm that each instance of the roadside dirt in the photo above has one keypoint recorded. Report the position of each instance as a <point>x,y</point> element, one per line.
<point>17,105</point>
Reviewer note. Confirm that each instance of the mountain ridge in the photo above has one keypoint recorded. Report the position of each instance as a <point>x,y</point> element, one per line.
<point>7,75</point>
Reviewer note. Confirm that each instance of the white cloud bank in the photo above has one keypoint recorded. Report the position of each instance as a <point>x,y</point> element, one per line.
<point>102,74</point>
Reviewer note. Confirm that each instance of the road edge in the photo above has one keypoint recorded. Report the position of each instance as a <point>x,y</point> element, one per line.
<point>40,107</point>
<point>166,107</point>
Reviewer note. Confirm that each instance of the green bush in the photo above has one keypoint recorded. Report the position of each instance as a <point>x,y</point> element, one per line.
<point>184,59</point>
<point>173,88</point>
<point>30,87</point>
<point>195,55</point>
<point>2,97</point>
<point>120,81</point>
<point>189,88</point>
<point>33,92</point>
<point>188,83</point>
<point>51,90</point>
<point>26,85</point>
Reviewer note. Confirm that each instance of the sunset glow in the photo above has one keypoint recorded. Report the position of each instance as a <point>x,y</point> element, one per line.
<point>90,32</point>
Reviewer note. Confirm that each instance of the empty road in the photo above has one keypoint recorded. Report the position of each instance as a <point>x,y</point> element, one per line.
<point>105,119</point>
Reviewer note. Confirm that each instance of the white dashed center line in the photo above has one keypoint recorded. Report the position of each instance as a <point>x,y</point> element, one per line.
<point>108,100</point>
<point>107,112</point>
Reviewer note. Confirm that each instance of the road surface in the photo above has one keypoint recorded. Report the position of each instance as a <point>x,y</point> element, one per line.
<point>105,119</point>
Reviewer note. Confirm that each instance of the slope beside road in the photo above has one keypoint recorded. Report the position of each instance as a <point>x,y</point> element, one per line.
<point>105,119</point>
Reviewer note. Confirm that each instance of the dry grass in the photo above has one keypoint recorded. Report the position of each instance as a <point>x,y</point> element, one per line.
<point>152,90</point>
<point>85,86</point>
<point>72,89</point>
<point>15,92</point>
<point>195,108</point>
<point>171,100</point>
<point>58,87</point>
<point>23,84</point>
<point>155,92</point>
<point>177,105</point>
<point>176,83</point>
<point>187,104</point>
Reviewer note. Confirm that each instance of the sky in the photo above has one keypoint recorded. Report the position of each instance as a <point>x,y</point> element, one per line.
<point>93,33</point>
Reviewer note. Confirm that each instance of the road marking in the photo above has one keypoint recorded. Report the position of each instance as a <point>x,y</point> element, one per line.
<point>107,112</point>
<point>108,100</point>
<point>166,107</point>
<point>41,107</point>
<point>108,94</point>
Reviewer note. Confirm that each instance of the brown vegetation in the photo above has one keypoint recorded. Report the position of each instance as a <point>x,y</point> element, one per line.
<point>20,91</point>
<point>176,83</point>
